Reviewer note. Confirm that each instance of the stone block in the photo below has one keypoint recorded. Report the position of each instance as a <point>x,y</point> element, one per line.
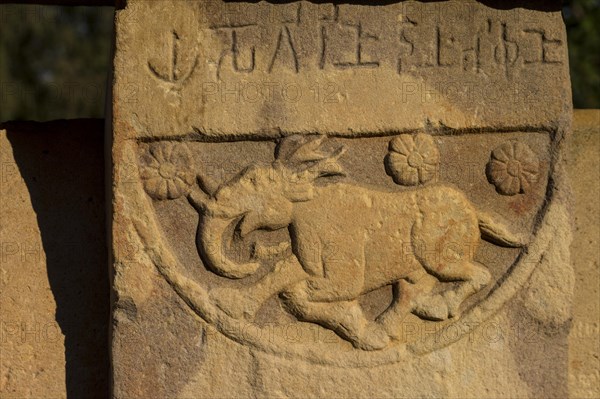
<point>340,200</point>
<point>584,341</point>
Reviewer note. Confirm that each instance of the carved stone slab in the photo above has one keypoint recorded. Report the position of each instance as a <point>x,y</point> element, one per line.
<point>239,68</point>
<point>358,200</point>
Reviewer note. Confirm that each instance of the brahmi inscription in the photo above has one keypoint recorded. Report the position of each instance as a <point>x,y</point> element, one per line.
<point>217,61</point>
<point>406,37</point>
<point>402,36</point>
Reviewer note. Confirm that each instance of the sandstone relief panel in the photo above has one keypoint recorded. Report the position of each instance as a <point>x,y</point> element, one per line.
<point>307,230</point>
<point>295,192</point>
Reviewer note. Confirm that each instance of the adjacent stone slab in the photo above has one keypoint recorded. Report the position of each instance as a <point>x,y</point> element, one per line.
<point>54,290</point>
<point>584,346</point>
<point>389,242</point>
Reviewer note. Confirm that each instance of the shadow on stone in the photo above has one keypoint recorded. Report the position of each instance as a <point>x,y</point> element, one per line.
<point>62,164</point>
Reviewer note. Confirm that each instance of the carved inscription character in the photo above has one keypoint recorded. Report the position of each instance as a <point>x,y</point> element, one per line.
<point>175,74</point>
<point>497,46</point>
<point>546,48</point>
<point>361,39</point>
<point>234,51</point>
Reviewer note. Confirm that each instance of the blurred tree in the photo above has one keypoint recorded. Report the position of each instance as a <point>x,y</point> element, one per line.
<point>53,61</point>
<point>582,18</point>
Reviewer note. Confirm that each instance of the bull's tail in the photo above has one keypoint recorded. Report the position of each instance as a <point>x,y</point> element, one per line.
<point>497,233</point>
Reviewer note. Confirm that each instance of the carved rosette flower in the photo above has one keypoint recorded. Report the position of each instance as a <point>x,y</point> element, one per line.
<point>412,160</point>
<point>166,170</point>
<point>513,167</point>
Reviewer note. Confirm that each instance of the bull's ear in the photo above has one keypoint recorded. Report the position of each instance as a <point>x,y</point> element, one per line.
<point>329,169</point>
<point>299,149</point>
<point>207,184</point>
<point>329,166</point>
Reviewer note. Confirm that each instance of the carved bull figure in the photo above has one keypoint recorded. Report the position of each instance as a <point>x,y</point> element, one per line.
<point>350,240</point>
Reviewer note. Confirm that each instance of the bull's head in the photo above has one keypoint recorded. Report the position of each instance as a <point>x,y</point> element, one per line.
<point>259,197</point>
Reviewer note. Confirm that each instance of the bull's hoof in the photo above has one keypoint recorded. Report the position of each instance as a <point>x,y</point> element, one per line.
<point>431,307</point>
<point>374,338</point>
<point>453,304</point>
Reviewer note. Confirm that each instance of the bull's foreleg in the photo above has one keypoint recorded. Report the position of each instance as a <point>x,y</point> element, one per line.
<point>245,302</point>
<point>345,318</point>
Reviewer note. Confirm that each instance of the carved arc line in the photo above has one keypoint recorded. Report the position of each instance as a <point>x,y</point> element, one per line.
<point>183,286</point>
<point>179,82</point>
<point>198,300</point>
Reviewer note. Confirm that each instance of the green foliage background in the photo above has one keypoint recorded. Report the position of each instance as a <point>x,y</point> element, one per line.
<point>54,61</point>
<point>582,18</point>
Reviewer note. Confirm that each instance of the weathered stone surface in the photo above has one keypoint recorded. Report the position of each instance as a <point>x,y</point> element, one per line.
<point>402,239</point>
<point>584,344</point>
<point>241,69</point>
<point>54,288</point>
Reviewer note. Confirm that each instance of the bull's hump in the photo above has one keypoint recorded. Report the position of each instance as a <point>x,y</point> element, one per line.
<point>441,192</point>
<point>359,198</point>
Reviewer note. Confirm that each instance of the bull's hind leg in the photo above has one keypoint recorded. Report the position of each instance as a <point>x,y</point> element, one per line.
<point>345,318</point>
<point>412,295</point>
<point>471,276</point>
<point>401,306</point>
<point>444,238</point>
